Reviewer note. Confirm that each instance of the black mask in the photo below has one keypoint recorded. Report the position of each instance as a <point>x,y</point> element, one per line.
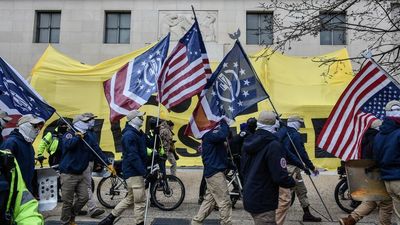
<point>62,130</point>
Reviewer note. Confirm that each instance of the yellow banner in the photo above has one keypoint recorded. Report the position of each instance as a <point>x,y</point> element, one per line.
<point>297,85</point>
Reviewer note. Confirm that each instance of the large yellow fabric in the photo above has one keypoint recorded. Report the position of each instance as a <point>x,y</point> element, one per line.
<point>295,85</point>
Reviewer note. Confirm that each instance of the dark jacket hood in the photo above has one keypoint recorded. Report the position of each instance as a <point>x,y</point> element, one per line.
<point>388,126</point>
<point>258,141</point>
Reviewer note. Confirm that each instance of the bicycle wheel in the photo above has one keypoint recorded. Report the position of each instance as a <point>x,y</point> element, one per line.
<point>111,190</point>
<point>233,188</point>
<point>343,198</point>
<point>168,194</point>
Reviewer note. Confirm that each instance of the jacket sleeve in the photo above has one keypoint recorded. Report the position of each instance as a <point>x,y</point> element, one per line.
<point>292,157</point>
<point>28,211</point>
<point>277,166</point>
<point>221,135</point>
<point>70,141</point>
<point>10,145</point>
<point>98,150</point>
<point>302,151</point>
<point>44,143</point>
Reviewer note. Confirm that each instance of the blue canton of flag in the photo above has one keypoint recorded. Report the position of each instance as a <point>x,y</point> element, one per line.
<point>234,86</point>
<point>17,97</point>
<point>376,104</point>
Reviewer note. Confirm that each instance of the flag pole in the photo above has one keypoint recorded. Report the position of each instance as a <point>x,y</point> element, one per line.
<point>194,13</point>
<point>298,154</point>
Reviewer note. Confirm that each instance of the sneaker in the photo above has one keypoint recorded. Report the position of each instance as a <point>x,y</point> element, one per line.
<point>82,213</point>
<point>97,212</point>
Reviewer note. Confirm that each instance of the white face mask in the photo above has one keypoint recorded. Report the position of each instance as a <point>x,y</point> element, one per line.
<point>136,123</point>
<point>270,128</point>
<point>28,132</point>
<point>295,125</point>
<point>91,123</point>
<point>81,126</point>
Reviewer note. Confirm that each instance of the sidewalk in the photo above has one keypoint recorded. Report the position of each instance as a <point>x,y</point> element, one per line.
<point>326,183</point>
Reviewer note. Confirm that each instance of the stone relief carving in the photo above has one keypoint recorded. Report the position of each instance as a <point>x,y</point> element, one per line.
<point>178,22</point>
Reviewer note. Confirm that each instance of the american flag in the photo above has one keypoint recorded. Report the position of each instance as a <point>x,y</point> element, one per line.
<point>132,86</point>
<point>361,103</point>
<point>233,88</point>
<point>18,98</point>
<point>186,70</point>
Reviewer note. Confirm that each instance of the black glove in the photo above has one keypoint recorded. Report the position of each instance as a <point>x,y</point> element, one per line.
<point>307,171</point>
<point>41,158</point>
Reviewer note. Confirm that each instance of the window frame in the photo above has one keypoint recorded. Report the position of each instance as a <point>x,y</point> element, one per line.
<point>260,30</point>
<point>331,28</point>
<point>118,28</point>
<point>38,29</point>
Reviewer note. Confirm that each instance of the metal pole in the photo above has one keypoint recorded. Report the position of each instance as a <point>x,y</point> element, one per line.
<point>298,154</point>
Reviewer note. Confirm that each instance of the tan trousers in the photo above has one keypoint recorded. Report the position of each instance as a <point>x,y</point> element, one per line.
<point>72,184</point>
<point>393,188</point>
<point>266,218</point>
<point>217,193</point>
<point>136,196</point>
<point>172,161</point>
<point>283,205</point>
<point>385,211</point>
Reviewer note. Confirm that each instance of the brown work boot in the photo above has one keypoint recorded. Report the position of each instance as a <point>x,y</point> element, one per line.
<point>349,220</point>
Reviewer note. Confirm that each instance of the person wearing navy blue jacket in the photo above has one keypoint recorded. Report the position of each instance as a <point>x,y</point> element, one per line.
<point>133,168</point>
<point>264,170</point>
<point>19,142</point>
<point>386,153</point>
<point>215,159</point>
<point>299,161</point>
<point>75,159</point>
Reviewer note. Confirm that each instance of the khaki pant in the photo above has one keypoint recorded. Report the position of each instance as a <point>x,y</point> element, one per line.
<point>217,193</point>
<point>136,196</point>
<point>172,161</point>
<point>393,188</point>
<point>91,204</point>
<point>266,218</point>
<point>285,197</point>
<point>385,211</point>
<point>72,184</point>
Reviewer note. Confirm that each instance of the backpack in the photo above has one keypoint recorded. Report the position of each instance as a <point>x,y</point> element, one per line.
<point>7,164</point>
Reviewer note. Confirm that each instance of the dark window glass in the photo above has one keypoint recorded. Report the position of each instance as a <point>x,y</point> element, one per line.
<point>333,28</point>
<point>47,27</point>
<point>259,28</point>
<point>118,27</point>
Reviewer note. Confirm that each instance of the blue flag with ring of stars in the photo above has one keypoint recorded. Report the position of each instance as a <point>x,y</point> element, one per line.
<point>234,86</point>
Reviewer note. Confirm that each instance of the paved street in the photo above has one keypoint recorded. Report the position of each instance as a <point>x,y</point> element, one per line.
<point>191,178</point>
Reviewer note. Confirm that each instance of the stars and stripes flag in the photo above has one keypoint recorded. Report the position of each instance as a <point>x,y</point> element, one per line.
<point>232,88</point>
<point>186,70</point>
<point>18,98</point>
<point>132,86</point>
<point>361,103</point>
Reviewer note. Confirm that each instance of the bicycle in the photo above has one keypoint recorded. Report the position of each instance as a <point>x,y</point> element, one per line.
<point>167,192</point>
<point>342,194</point>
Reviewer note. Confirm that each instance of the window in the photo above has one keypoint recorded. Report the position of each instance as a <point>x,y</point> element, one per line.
<point>259,28</point>
<point>48,27</point>
<point>118,27</point>
<point>333,28</point>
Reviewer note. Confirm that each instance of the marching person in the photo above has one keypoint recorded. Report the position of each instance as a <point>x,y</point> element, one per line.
<point>91,204</point>
<point>76,155</point>
<point>17,205</point>
<point>215,159</point>
<point>50,143</point>
<point>4,119</point>
<point>133,168</point>
<point>166,136</point>
<point>264,171</point>
<point>19,142</point>
<point>366,207</point>
<point>386,153</point>
<point>300,154</point>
